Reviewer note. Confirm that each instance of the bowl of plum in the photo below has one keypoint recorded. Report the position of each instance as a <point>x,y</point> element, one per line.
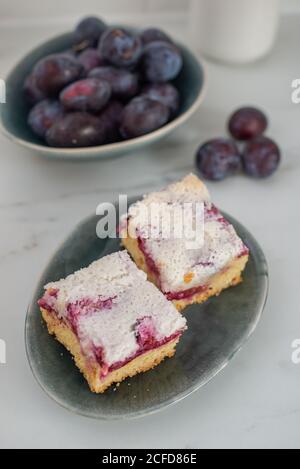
<point>101,91</point>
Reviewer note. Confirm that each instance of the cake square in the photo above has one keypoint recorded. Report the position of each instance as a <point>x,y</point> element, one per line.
<point>113,321</point>
<point>185,275</point>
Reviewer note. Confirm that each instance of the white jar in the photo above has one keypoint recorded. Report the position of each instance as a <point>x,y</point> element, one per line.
<point>237,31</point>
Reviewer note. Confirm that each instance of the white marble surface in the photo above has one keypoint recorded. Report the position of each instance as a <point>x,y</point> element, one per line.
<point>58,10</point>
<point>255,402</point>
<point>33,11</point>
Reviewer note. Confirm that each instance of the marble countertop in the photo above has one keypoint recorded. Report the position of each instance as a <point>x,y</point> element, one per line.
<point>255,402</point>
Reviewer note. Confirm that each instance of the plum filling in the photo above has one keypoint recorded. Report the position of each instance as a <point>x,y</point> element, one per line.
<point>74,310</point>
<point>84,307</point>
<point>43,303</point>
<point>99,356</point>
<point>245,252</point>
<point>145,333</point>
<point>149,259</point>
<point>47,302</point>
<point>173,296</point>
<point>182,295</point>
<point>211,212</point>
<point>153,268</point>
<point>155,344</point>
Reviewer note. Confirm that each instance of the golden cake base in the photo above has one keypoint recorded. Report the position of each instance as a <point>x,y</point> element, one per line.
<point>92,371</point>
<point>230,276</point>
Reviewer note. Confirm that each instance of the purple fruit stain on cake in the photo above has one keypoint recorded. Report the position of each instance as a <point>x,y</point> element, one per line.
<point>115,313</point>
<point>85,307</point>
<point>145,333</point>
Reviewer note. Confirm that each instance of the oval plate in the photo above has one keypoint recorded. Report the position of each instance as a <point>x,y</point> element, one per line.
<point>217,331</point>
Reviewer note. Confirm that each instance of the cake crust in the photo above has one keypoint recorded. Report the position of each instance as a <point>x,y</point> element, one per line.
<point>228,277</point>
<point>112,320</point>
<point>193,184</point>
<point>185,275</point>
<point>92,371</point>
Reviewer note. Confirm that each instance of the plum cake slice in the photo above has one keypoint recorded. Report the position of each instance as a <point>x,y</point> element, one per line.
<point>113,321</point>
<point>185,274</point>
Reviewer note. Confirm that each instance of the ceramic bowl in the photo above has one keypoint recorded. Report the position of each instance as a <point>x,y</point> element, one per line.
<point>191,84</point>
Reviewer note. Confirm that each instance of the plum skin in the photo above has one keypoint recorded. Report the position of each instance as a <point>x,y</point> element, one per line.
<point>124,84</point>
<point>154,34</point>
<point>32,93</point>
<point>90,59</point>
<point>166,93</point>
<point>142,116</point>
<point>111,119</point>
<point>43,115</point>
<point>161,62</point>
<point>218,158</point>
<point>56,71</point>
<point>88,31</point>
<point>88,95</point>
<point>68,110</point>
<point>261,157</point>
<point>120,48</point>
<point>77,129</point>
<point>247,123</point>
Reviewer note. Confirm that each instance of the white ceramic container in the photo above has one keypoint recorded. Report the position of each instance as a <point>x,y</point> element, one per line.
<point>237,31</point>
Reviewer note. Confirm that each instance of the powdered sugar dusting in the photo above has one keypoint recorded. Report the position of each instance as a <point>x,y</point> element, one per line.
<point>104,279</point>
<point>190,189</point>
<point>106,303</point>
<point>181,268</point>
<point>116,330</point>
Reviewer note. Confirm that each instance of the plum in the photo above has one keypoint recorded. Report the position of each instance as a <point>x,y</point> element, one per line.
<point>31,91</point>
<point>165,93</point>
<point>88,95</point>
<point>43,115</point>
<point>218,158</point>
<point>77,129</point>
<point>154,34</point>
<point>120,47</point>
<point>161,62</point>
<point>88,31</point>
<point>90,59</point>
<point>111,120</point>
<point>247,123</point>
<point>261,157</point>
<point>56,71</point>
<point>143,115</point>
<point>124,84</point>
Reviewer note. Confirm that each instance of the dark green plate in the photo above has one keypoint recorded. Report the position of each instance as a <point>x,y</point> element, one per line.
<point>217,330</point>
<point>191,84</point>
